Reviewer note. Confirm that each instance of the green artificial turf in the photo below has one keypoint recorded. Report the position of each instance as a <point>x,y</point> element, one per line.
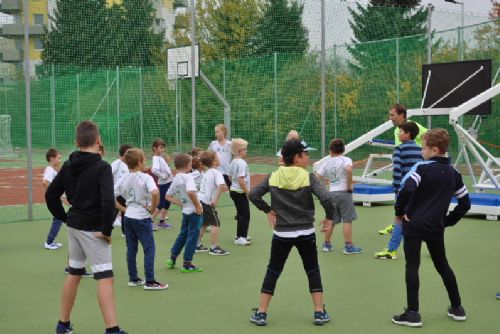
<point>361,293</point>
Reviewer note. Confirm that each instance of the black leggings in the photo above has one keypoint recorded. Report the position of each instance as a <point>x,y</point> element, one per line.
<point>437,251</point>
<point>280,249</point>
<point>242,213</point>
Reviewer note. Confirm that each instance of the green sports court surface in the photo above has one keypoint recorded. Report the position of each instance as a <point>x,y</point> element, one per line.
<point>361,293</point>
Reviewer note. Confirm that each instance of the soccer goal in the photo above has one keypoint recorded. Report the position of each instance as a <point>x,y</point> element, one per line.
<point>6,151</point>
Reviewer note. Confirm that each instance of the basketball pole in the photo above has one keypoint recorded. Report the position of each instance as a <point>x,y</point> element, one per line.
<point>27,96</point>
<point>193,75</point>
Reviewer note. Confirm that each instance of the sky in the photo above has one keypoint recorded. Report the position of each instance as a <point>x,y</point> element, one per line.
<point>474,6</point>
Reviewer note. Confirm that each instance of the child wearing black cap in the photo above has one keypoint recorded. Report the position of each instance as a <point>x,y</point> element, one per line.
<point>291,214</point>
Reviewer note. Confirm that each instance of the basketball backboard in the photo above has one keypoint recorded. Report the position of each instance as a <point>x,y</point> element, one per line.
<point>179,62</point>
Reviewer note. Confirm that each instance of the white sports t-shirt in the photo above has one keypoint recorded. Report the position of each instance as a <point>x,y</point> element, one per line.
<point>182,184</point>
<point>119,170</point>
<point>136,188</point>
<point>161,170</point>
<point>238,168</point>
<point>49,174</point>
<point>197,175</point>
<point>210,182</point>
<point>224,153</point>
<point>334,170</point>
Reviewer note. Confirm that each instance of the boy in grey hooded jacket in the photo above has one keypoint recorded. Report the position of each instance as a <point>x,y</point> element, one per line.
<point>291,214</point>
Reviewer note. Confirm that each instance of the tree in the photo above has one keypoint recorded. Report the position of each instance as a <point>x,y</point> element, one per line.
<point>77,32</point>
<point>281,29</point>
<point>87,33</point>
<point>380,20</point>
<point>226,28</point>
<point>132,40</point>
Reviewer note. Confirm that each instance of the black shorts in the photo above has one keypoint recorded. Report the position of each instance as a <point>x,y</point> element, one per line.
<point>210,216</point>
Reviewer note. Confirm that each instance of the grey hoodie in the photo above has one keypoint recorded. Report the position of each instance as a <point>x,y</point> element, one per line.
<point>291,190</point>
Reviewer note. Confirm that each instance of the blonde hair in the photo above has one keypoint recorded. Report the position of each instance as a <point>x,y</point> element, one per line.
<point>223,128</point>
<point>238,144</point>
<point>133,156</point>
<point>293,134</point>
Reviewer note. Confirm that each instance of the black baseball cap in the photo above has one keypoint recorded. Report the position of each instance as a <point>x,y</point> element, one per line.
<point>292,147</point>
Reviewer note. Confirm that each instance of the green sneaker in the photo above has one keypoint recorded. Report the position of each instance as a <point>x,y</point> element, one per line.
<point>170,264</point>
<point>191,269</point>
<point>387,230</point>
<point>386,255</point>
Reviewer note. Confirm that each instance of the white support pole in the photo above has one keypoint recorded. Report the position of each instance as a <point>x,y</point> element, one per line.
<point>227,107</point>
<point>467,106</point>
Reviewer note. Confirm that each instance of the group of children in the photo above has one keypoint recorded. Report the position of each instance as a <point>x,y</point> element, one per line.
<point>200,179</point>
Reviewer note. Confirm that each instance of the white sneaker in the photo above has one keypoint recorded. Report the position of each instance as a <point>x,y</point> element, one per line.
<point>242,242</point>
<point>58,244</point>
<point>249,238</point>
<point>118,221</point>
<point>52,246</point>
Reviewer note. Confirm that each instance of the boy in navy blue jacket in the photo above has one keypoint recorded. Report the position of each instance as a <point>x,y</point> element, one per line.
<point>422,205</point>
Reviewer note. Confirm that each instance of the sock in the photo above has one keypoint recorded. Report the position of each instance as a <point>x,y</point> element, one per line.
<point>199,243</point>
<point>162,221</point>
<point>348,243</point>
<point>213,246</point>
<point>186,264</point>
<point>64,323</point>
<point>115,329</point>
<point>173,257</point>
<point>328,242</point>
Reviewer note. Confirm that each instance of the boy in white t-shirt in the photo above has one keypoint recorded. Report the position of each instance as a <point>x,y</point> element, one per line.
<point>142,197</point>
<point>211,187</point>
<point>222,146</point>
<point>53,157</point>
<point>183,193</point>
<point>161,170</point>
<point>240,187</point>
<point>338,170</point>
<point>119,169</point>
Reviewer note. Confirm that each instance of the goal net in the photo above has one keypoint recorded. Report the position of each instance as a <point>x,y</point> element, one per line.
<point>5,144</point>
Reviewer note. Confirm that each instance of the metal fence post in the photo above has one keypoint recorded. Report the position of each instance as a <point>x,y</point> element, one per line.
<point>27,96</point>
<point>323,81</point>
<point>275,65</point>
<point>53,107</point>
<point>397,70</point>
<point>78,97</point>
<point>118,105</point>
<point>141,108</point>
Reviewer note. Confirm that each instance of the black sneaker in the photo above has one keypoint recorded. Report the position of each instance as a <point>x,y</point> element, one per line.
<point>457,313</point>
<point>258,318</point>
<point>64,329</point>
<point>408,318</point>
<point>218,251</point>
<point>201,249</point>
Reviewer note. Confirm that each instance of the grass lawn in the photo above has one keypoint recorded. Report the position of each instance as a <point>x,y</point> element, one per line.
<point>361,293</point>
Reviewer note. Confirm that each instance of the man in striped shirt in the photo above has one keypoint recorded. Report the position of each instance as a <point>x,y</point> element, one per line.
<point>405,156</point>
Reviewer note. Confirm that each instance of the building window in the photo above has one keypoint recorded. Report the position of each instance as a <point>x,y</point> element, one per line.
<point>39,44</point>
<point>38,18</point>
<point>19,44</point>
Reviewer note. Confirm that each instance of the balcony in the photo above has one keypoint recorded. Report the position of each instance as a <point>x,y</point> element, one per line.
<point>11,6</point>
<point>11,56</point>
<point>181,22</point>
<point>181,3</point>
<point>16,30</point>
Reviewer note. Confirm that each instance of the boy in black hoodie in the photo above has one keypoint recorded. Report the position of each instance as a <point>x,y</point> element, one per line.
<point>422,205</point>
<point>88,183</point>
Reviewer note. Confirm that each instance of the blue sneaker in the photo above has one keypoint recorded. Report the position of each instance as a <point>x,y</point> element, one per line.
<point>258,318</point>
<point>321,317</point>
<point>63,329</point>
<point>327,247</point>
<point>120,332</point>
<point>351,249</point>
<point>498,295</point>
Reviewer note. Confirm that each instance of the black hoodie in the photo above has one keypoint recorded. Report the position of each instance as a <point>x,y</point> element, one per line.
<point>88,183</point>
